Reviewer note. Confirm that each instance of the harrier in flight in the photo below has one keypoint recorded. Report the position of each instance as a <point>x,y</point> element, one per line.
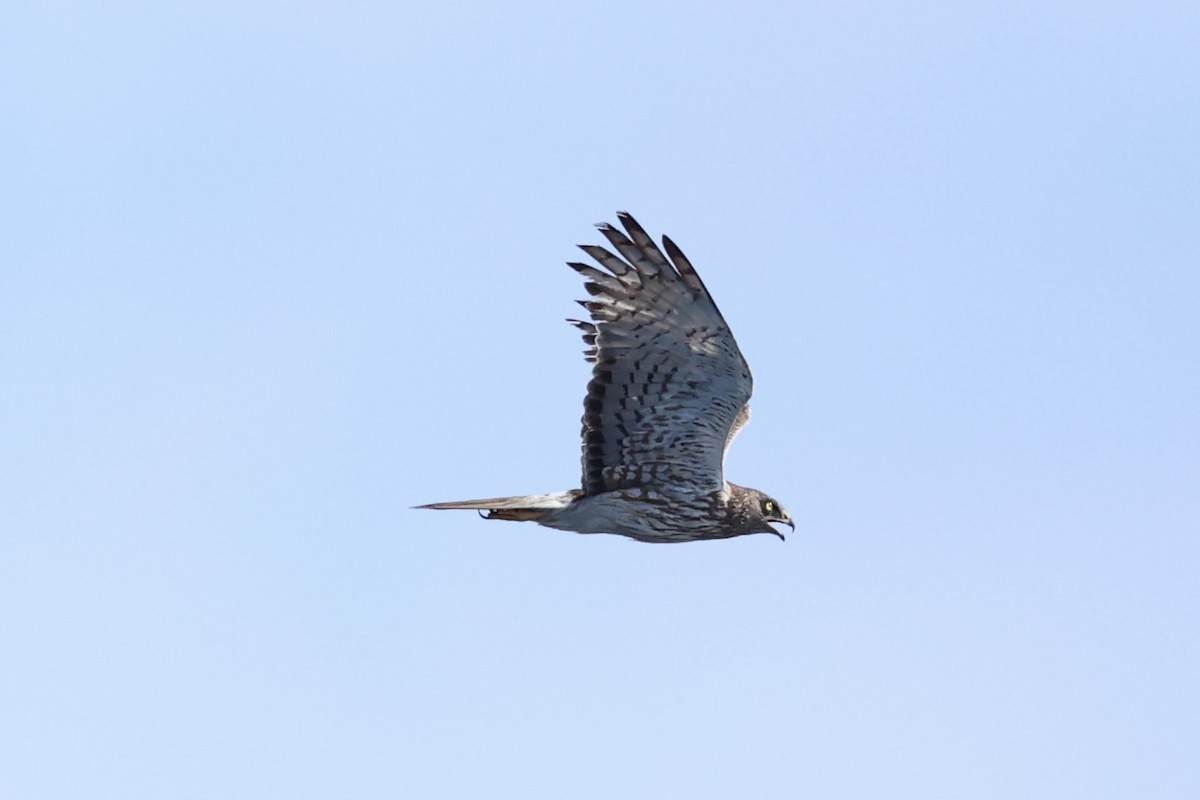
<point>668,393</point>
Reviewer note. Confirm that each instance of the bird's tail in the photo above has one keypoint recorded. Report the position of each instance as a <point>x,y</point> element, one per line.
<point>529,507</point>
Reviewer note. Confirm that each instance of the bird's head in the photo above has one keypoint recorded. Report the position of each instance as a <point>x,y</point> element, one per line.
<point>764,510</point>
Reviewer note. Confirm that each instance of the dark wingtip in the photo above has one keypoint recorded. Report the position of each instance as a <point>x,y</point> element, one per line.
<point>631,224</point>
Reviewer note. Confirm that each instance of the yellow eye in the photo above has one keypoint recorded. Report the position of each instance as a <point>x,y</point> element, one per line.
<point>768,506</point>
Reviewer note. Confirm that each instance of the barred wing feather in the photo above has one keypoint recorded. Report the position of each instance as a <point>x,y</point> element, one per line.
<point>669,385</point>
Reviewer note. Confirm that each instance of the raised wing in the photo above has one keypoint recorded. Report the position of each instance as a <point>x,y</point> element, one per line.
<point>669,386</point>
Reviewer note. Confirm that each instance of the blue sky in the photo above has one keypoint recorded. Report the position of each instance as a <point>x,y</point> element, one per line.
<point>271,273</point>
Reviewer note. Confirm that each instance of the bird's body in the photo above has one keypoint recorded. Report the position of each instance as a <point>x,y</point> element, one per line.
<point>668,393</point>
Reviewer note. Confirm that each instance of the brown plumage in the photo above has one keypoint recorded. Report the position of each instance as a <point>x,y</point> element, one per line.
<point>668,393</point>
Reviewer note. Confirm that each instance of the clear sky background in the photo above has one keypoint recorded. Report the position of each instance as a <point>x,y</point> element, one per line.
<point>272,273</point>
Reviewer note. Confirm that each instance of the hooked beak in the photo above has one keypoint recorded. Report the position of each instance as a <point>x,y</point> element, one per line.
<point>787,522</point>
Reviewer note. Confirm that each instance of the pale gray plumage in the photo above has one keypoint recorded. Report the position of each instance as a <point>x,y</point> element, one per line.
<point>668,393</point>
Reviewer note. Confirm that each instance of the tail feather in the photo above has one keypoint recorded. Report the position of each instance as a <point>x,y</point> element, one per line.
<point>531,507</point>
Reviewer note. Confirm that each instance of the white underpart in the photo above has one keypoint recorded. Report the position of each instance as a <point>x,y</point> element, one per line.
<point>611,512</point>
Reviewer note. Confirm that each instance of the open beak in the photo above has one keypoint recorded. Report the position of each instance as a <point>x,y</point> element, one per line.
<point>787,522</point>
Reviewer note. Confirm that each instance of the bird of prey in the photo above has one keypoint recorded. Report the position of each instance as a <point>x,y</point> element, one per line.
<point>668,393</point>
